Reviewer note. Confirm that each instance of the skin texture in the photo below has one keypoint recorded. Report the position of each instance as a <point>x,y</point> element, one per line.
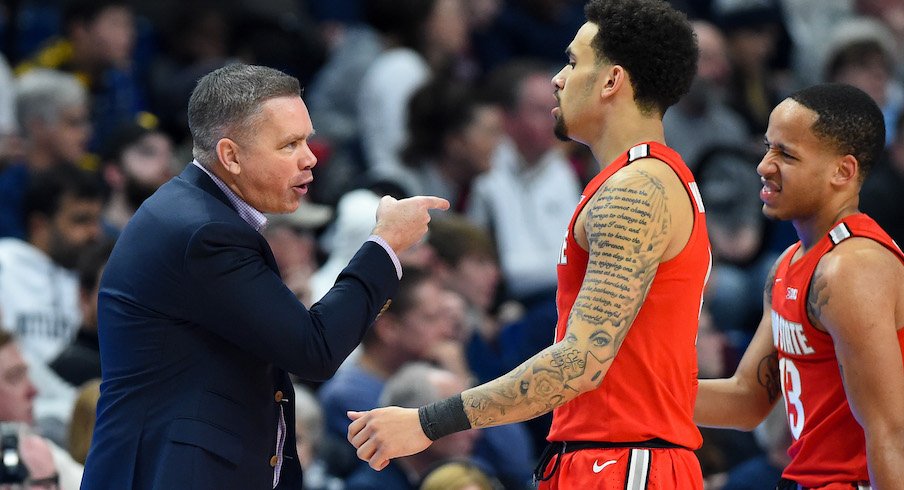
<point>639,218</point>
<point>856,295</point>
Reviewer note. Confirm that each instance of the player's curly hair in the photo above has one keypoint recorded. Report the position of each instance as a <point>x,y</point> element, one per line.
<point>848,119</point>
<point>652,41</point>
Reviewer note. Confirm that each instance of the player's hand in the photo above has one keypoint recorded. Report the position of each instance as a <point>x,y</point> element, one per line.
<point>402,223</point>
<point>386,433</point>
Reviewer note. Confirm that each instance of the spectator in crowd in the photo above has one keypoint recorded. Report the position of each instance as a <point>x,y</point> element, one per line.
<point>738,235</point>
<point>881,194</point>
<point>890,13</point>
<point>811,25</point>
<point>84,412</point>
<point>409,330</point>
<point>10,142</point>
<point>310,442</point>
<point>294,245</point>
<point>353,223</point>
<point>497,341</point>
<point>17,394</point>
<point>528,28</point>
<point>52,114</point>
<point>194,39</point>
<point>774,438</point>
<point>136,161</point>
<point>80,360</point>
<point>466,264</point>
<point>752,30</point>
<point>861,53</point>
<point>531,188</point>
<point>429,37</point>
<point>457,475</point>
<point>27,459</point>
<point>413,386</point>
<point>96,46</point>
<point>332,93</point>
<point>452,136</point>
<point>702,120</point>
<point>39,288</point>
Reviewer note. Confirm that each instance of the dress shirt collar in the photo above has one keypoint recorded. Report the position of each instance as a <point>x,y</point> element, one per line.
<point>253,217</point>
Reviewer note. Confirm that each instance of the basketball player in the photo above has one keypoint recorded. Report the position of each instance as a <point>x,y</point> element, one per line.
<point>830,339</point>
<point>620,376</point>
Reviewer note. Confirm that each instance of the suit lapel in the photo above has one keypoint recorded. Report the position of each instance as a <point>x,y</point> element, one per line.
<point>198,178</point>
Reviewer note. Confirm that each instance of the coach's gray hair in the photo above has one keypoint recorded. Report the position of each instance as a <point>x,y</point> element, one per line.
<point>43,94</point>
<point>411,386</point>
<point>227,101</point>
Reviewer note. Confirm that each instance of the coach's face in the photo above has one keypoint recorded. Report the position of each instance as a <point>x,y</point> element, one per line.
<point>270,162</point>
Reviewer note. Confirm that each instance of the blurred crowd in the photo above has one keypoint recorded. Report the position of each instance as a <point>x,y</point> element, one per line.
<point>444,97</point>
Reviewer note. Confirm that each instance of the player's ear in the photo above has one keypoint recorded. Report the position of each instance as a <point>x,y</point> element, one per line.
<point>847,169</point>
<point>614,78</point>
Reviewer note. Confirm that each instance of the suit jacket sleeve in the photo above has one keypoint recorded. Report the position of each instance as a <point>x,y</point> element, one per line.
<point>245,301</point>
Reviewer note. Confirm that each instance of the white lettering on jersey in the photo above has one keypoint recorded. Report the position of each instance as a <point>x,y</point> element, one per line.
<point>563,259</point>
<point>792,390</point>
<point>788,336</point>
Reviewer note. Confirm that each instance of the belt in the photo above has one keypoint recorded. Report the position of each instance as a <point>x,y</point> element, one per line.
<point>786,484</point>
<point>555,449</point>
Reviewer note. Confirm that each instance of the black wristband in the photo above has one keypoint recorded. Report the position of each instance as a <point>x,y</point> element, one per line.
<point>444,417</point>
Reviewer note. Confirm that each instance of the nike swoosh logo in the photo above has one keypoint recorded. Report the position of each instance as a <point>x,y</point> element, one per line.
<point>599,467</point>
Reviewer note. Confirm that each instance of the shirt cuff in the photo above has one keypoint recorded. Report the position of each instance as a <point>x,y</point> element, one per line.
<point>392,255</point>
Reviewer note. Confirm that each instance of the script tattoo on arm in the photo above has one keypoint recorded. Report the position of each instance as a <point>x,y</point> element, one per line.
<point>627,227</point>
<point>818,296</point>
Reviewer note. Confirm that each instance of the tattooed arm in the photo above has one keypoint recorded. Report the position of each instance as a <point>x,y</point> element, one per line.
<point>744,400</point>
<point>628,227</point>
<point>857,296</point>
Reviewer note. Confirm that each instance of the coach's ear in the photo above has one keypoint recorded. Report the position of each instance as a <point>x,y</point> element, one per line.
<point>228,155</point>
<point>847,171</point>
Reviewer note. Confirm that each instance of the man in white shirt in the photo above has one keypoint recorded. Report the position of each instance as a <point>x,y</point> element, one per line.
<point>528,196</point>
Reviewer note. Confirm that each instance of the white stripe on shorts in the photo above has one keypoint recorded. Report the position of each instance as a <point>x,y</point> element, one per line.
<point>638,469</point>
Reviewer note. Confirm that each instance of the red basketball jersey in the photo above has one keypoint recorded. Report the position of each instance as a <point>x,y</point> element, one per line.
<point>829,444</point>
<point>650,388</point>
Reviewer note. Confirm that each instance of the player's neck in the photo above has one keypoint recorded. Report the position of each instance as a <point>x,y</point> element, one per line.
<point>622,135</point>
<point>812,229</point>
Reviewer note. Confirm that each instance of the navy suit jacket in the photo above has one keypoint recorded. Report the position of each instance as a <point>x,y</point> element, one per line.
<point>197,334</point>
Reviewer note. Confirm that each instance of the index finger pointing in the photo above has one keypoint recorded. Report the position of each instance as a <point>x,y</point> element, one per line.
<point>433,202</point>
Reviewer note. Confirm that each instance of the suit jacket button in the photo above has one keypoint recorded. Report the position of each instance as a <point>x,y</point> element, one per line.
<point>274,460</point>
<point>278,396</point>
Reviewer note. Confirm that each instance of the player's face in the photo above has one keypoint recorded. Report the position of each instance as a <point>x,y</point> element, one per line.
<point>797,168</point>
<point>574,85</point>
<point>274,159</point>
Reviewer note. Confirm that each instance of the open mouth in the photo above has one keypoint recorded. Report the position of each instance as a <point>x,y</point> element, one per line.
<point>769,189</point>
